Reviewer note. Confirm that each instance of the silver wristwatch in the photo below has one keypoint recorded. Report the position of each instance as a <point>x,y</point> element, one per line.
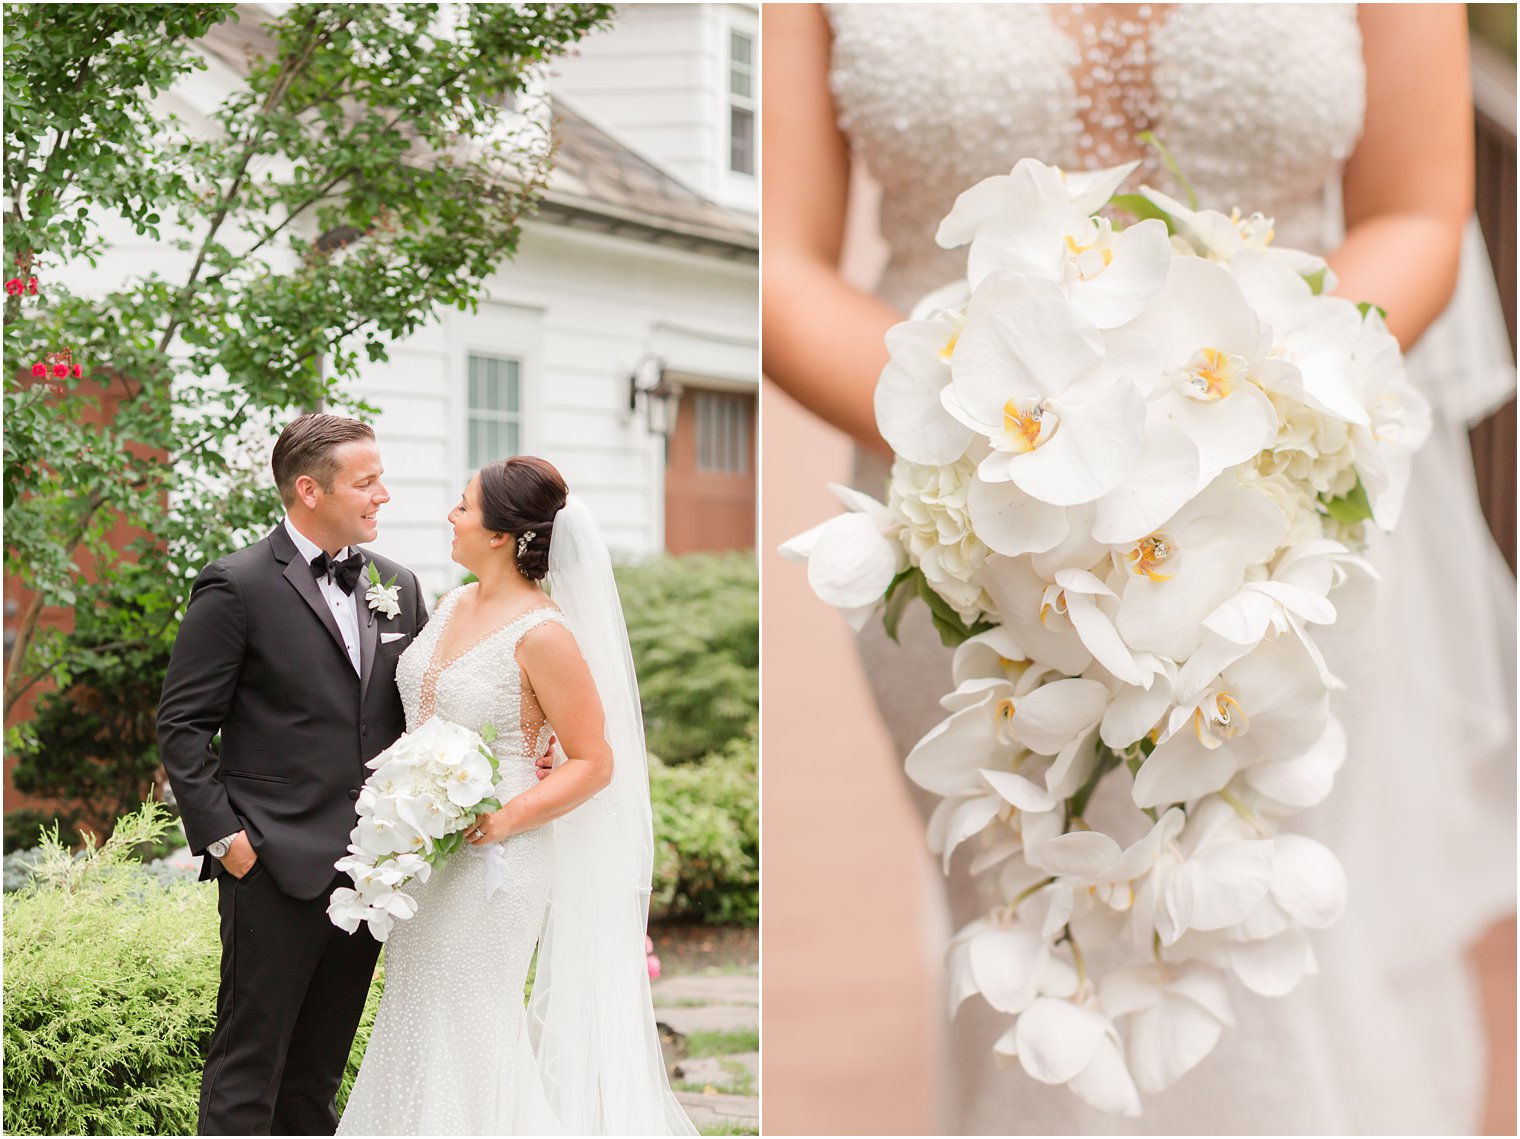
<point>221,846</point>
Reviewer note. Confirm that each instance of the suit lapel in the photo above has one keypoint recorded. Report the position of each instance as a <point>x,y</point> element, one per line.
<point>369,637</point>
<point>298,573</point>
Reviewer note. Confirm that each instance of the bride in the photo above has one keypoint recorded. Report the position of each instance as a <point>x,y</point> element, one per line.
<point>1352,127</point>
<point>453,1050</point>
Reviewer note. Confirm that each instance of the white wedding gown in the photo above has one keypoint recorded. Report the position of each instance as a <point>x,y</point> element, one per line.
<point>450,1053</point>
<point>1260,105</point>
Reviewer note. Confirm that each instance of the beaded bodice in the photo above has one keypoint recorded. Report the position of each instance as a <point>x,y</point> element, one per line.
<point>1260,104</point>
<point>478,685</point>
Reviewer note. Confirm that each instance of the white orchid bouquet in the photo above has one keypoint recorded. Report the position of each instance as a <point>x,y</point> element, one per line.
<point>425,790</point>
<point>1133,470</point>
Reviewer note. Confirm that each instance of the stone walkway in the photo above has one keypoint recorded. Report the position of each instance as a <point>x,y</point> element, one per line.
<point>721,1093</point>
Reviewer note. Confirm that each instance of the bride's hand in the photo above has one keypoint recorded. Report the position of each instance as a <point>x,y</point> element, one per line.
<point>490,828</point>
<point>545,762</point>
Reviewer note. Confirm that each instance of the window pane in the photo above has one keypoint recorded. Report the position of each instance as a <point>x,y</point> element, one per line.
<point>739,48</point>
<point>723,433</point>
<point>493,413</point>
<point>741,125</point>
<point>739,84</point>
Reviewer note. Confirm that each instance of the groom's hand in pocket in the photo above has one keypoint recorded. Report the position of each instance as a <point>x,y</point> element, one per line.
<point>241,857</point>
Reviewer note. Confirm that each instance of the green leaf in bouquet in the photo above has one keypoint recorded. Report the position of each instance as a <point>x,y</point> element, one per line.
<point>1367,306</point>
<point>488,733</point>
<point>952,630</point>
<point>902,590</point>
<point>1351,507</point>
<point>1142,208</point>
<point>1149,139</point>
<point>1316,280</point>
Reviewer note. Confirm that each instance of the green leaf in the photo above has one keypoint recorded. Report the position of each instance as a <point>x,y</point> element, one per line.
<point>1316,280</point>
<point>1142,208</point>
<point>947,622</point>
<point>1351,507</point>
<point>902,590</point>
<point>1367,306</point>
<point>1150,139</point>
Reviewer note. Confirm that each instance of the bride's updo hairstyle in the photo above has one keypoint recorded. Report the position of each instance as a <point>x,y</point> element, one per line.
<point>520,494</point>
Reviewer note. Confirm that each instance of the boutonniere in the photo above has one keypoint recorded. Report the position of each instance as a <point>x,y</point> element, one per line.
<point>384,598</point>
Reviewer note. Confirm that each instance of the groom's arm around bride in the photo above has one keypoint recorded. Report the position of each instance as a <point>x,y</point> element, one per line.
<point>282,654</point>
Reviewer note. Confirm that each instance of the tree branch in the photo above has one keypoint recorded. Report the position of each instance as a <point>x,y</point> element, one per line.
<point>289,69</point>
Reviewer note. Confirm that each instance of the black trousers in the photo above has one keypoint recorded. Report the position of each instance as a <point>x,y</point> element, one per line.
<point>292,991</point>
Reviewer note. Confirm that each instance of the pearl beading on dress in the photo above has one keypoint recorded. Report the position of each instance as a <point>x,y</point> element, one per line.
<point>486,692</point>
<point>450,1052</point>
<point>1258,103</point>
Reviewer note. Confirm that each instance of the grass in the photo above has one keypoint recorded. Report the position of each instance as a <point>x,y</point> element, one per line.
<point>719,1043</point>
<point>741,1081</point>
<point>727,1128</point>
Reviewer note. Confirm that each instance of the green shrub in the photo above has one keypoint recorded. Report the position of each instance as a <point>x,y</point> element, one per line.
<point>694,626</point>
<point>110,991</point>
<point>707,835</point>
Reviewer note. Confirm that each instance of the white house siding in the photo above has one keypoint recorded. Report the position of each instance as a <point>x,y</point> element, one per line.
<point>658,81</point>
<point>578,310</point>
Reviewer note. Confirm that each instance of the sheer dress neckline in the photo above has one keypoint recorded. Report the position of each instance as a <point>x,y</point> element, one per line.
<point>437,668</point>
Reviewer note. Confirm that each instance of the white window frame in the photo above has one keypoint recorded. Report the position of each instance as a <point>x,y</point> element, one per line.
<point>516,417</point>
<point>733,102</point>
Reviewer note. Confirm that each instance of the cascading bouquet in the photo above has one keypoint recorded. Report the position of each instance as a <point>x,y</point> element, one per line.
<point>1132,468</point>
<point>413,811</point>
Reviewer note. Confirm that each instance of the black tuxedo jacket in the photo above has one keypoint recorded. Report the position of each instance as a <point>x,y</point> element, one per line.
<point>259,659</point>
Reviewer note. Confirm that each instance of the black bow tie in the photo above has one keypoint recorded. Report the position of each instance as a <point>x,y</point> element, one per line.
<point>344,571</point>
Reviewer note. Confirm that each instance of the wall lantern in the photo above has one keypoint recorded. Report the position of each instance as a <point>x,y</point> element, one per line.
<point>661,396</point>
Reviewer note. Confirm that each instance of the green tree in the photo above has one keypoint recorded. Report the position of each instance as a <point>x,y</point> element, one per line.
<point>373,166</point>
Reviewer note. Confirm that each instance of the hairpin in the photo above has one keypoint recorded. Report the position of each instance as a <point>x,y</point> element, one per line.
<point>522,542</point>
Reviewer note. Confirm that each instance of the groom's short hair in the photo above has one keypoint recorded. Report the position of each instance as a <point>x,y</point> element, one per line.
<point>309,446</point>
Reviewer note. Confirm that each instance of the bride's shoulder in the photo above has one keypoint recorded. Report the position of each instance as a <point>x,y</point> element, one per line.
<point>452,597</point>
<point>545,633</point>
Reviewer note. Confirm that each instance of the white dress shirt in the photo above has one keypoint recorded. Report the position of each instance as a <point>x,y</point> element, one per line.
<point>344,608</point>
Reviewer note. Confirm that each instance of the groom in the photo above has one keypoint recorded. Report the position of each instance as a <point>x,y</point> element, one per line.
<point>280,687</point>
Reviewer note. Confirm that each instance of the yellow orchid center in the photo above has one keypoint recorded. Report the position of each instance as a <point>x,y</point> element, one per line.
<point>1256,229</point>
<point>949,349</point>
<point>1226,720</point>
<point>1148,555</point>
<point>1053,601</point>
<point>1013,669</point>
<point>1212,374</point>
<point>1004,713</point>
<point>1094,256</point>
<point>1025,429</point>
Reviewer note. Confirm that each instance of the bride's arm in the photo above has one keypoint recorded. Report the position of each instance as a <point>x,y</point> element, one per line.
<point>567,694</point>
<point>1409,183</point>
<point>822,338</point>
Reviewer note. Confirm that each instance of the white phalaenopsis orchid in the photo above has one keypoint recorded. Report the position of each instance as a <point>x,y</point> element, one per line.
<point>851,559</point>
<point>1044,228</point>
<point>1133,475</point>
<point>1055,401</point>
<point>412,812</point>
